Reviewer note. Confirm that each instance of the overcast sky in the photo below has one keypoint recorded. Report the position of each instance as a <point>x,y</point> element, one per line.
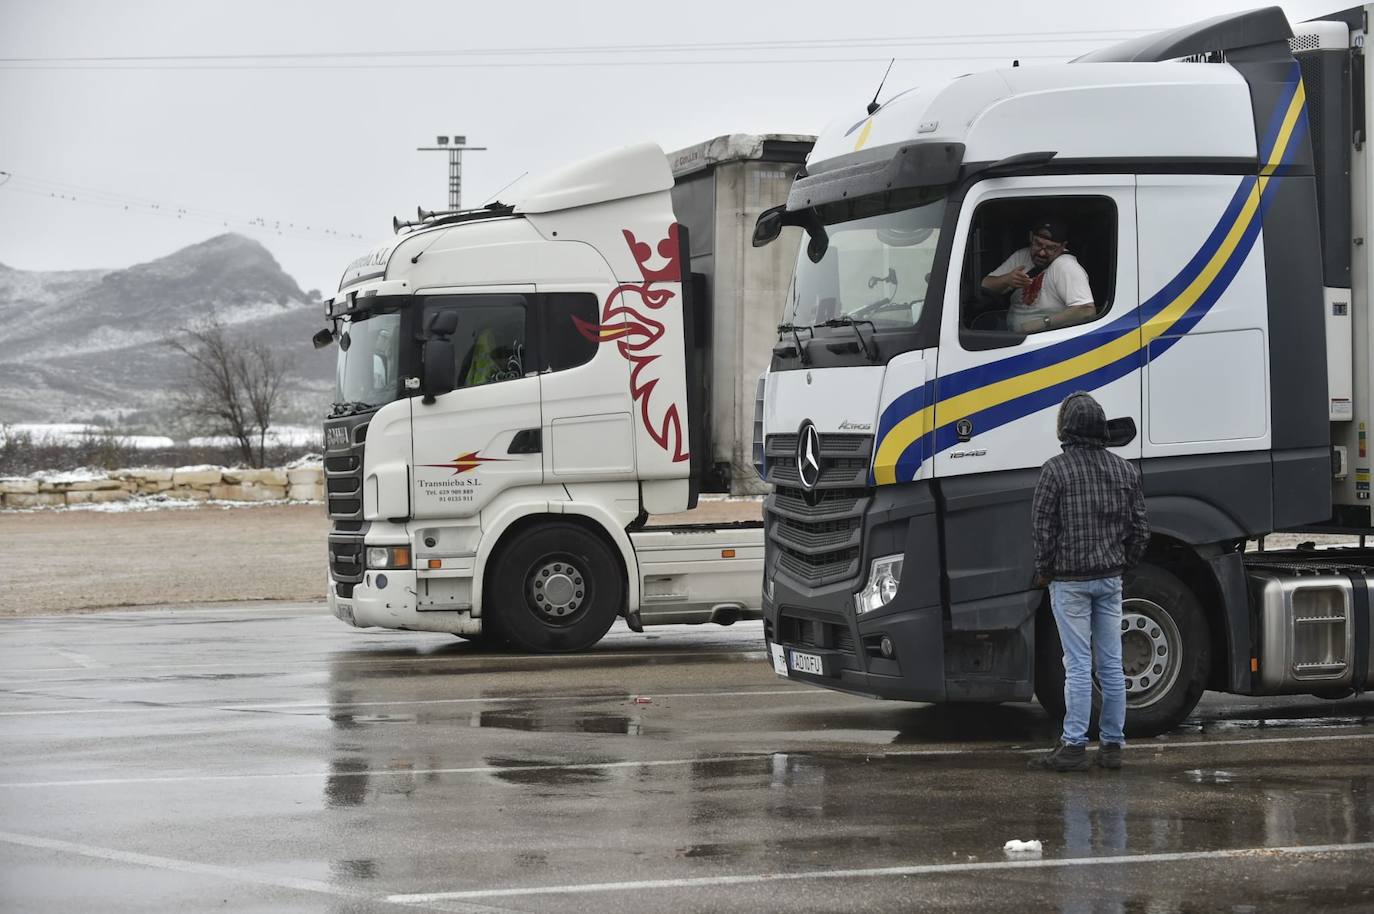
<point>247,115</point>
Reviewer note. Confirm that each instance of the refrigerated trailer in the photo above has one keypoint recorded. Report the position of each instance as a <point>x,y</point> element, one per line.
<point>524,388</point>
<point>1215,183</point>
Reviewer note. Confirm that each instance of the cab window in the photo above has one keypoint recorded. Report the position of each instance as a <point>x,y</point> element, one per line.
<point>565,345</point>
<point>490,344</point>
<point>1035,264</point>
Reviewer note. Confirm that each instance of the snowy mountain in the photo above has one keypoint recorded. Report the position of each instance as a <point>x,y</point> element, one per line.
<point>78,345</point>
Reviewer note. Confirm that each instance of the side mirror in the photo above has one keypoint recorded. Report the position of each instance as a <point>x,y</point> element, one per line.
<point>1120,432</point>
<point>440,373</point>
<point>769,225</point>
<point>322,338</point>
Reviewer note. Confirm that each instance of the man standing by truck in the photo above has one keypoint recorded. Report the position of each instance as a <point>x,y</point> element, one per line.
<point>1090,526</point>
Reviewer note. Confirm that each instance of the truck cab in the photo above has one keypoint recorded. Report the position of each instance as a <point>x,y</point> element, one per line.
<point>1193,181</point>
<point>523,387</point>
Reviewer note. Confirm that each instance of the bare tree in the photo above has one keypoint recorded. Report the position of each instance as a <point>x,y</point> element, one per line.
<point>233,386</point>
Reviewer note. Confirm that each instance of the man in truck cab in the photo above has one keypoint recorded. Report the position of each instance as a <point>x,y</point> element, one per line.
<point>1048,286</point>
<point>1088,516</point>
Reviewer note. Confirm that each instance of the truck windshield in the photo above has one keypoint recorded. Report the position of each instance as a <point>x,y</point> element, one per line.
<point>369,361</point>
<point>875,269</point>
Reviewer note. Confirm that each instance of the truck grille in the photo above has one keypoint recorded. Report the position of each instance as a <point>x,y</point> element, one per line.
<point>343,489</point>
<point>346,558</point>
<point>795,631</point>
<point>818,534</point>
<point>343,473</point>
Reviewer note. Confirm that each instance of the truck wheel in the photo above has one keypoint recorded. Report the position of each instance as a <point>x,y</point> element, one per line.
<point>1165,654</point>
<point>554,589</point>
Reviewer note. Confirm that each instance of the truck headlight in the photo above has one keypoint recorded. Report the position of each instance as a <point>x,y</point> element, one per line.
<point>388,556</point>
<point>884,577</point>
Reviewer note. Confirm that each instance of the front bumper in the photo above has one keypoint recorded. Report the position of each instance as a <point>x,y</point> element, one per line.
<point>387,599</point>
<point>850,648</point>
<point>933,659</point>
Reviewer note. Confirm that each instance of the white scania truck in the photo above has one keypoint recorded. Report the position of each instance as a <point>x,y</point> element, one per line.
<point>1216,184</point>
<point>522,387</point>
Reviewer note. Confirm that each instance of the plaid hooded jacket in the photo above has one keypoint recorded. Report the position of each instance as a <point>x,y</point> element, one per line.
<point>1089,507</point>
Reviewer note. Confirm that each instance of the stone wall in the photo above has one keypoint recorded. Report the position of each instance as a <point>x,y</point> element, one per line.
<point>304,483</point>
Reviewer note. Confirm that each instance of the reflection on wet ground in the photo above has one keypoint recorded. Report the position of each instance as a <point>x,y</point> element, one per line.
<point>669,775</point>
<point>566,721</point>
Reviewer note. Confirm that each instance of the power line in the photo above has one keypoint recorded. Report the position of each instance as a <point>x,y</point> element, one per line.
<point>803,61</point>
<point>1074,36</point>
<point>62,192</point>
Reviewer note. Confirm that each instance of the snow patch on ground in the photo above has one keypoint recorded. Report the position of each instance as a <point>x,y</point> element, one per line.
<point>59,477</point>
<point>142,503</point>
<point>280,435</point>
<point>69,433</point>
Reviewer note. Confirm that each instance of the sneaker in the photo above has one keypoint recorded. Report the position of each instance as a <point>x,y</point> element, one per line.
<point>1109,755</point>
<point>1063,757</point>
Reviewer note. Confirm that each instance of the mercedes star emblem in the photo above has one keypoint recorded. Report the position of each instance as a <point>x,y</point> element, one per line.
<point>808,456</point>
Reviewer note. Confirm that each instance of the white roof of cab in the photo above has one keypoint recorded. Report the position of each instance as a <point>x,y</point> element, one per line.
<point>625,172</point>
<point>1079,110</point>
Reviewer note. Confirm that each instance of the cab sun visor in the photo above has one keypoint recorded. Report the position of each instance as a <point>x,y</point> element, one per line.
<point>876,171</point>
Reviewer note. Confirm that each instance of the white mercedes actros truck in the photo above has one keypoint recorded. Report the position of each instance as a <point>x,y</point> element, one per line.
<point>522,388</point>
<point>1214,182</point>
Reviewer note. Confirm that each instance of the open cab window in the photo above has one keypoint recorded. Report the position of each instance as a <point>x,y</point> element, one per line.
<point>1034,264</point>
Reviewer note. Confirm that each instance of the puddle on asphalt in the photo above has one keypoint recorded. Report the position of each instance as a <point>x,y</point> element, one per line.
<point>910,725</point>
<point>1215,776</point>
<point>544,773</point>
<point>345,721</point>
<point>355,869</point>
<point>1277,723</point>
<point>395,665</point>
<point>556,721</point>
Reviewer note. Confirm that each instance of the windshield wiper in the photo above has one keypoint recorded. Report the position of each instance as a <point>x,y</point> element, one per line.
<point>849,321</point>
<point>349,408</point>
<point>795,330</point>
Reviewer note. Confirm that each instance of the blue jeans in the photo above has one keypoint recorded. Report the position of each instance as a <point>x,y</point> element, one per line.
<point>1088,614</point>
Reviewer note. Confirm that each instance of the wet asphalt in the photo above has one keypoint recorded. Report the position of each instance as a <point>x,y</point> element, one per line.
<point>269,758</point>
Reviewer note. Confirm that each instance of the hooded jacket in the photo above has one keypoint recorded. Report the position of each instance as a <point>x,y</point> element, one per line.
<point>1089,507</point>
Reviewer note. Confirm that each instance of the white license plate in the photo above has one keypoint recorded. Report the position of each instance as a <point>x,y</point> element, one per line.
<point>779,659</point>
<point>345,612</point>
<point>806,663</point>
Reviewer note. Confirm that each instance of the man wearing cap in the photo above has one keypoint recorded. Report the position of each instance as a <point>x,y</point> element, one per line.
<point>1048,287</point>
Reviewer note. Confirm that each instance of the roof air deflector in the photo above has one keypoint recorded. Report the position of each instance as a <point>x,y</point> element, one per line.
<point>1228,32</point>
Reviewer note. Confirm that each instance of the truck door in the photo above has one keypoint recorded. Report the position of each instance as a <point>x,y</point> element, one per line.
<point>587,430</point>
<point>1002,373</point>
<point>481,438</point>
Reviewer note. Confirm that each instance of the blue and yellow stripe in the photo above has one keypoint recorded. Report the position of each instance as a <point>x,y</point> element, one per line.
<point>1003,391</point>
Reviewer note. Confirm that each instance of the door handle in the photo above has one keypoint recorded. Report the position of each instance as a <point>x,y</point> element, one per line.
<point>527,441</point>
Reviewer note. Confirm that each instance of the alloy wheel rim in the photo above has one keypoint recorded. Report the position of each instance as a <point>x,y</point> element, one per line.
<point>1151,651</point>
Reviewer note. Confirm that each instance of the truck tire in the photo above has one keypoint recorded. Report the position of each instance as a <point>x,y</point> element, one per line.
<point>1165,653</point>
<point>554,588</point>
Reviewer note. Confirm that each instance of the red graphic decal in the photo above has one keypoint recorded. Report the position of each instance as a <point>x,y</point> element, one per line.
<point>465,462</point>
<point>637,337</point>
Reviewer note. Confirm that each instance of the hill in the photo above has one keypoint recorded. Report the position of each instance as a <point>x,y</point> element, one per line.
<point>84,345</point>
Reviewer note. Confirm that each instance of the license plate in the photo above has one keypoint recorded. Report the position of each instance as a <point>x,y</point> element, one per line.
<point>806,663</point>
<point>345,612</point>
<point>779,659</point>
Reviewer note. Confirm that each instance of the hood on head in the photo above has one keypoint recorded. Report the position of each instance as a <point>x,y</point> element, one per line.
<point>1082,421</point>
